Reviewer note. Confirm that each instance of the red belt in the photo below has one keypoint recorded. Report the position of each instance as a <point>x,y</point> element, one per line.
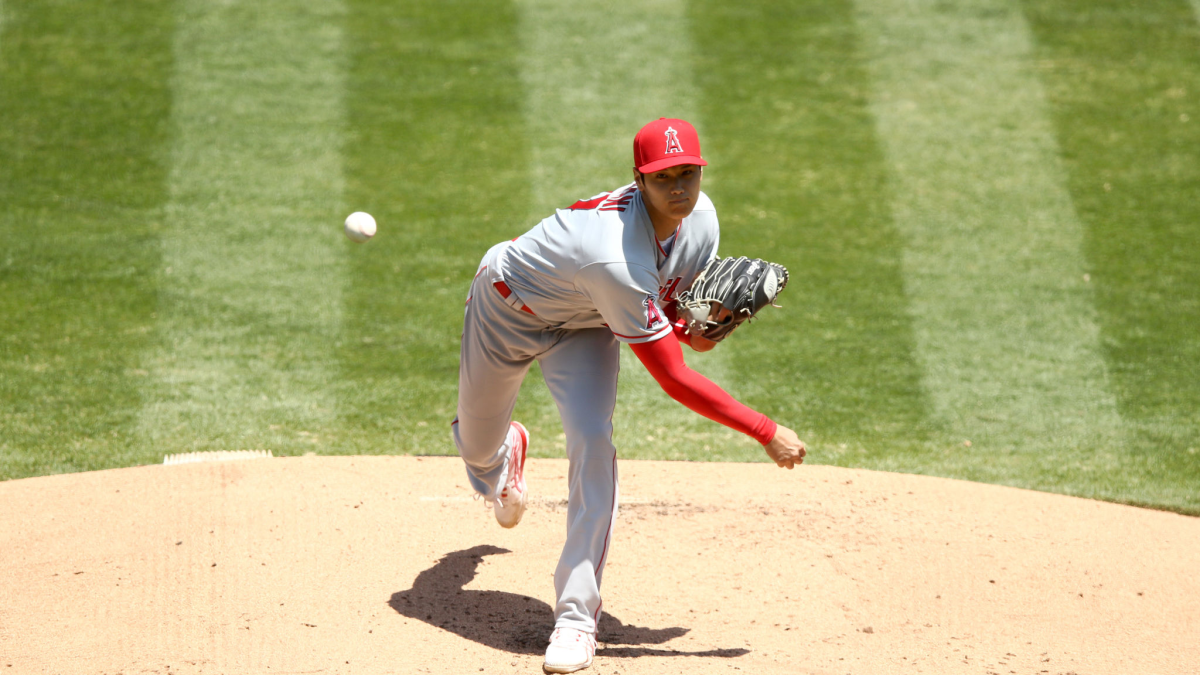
<point>505,291</point>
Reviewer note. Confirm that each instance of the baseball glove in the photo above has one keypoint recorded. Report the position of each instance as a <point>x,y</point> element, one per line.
<point>730,291</point>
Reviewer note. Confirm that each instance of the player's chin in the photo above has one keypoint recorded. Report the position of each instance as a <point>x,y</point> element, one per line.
<point>681,209</point>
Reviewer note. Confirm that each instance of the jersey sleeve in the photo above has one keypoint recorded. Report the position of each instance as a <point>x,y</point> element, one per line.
<point>627,297</point>
<point>715,244</point>
<point>704,219</point>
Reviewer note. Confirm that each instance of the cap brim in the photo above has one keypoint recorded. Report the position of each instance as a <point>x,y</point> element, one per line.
<point>671,161</point>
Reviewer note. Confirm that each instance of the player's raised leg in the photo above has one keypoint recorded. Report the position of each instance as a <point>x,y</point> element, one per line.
<point>498,346</point>
<point>581,373</point>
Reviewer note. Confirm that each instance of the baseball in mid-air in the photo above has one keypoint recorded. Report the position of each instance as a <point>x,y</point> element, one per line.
<point>360,226</point>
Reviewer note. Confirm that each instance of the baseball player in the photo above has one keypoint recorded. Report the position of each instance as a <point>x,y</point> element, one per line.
<point>603,271</point>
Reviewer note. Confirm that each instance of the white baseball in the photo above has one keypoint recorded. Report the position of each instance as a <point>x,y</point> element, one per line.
<point>360,226</point>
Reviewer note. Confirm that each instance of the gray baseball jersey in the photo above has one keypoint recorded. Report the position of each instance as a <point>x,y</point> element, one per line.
<point>599,263</point>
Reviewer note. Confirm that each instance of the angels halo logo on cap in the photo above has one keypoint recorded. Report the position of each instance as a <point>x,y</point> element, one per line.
<point>672,141</point>
<point>666,142</point>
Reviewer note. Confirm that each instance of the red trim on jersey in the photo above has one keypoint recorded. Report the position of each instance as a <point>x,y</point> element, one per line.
<point>618,205</point>
<point>655,336</point>
<point>674,238</point>
<point>605,201</point>
<point>664,360</point>
<point>588,204</point>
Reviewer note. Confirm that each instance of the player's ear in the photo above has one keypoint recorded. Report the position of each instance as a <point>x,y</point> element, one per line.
<point>639,179</point>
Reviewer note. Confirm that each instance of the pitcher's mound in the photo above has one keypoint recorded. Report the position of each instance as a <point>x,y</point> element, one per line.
<point>386,565</point>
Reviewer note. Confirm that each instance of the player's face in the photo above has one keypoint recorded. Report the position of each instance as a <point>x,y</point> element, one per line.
<point>671,192</point>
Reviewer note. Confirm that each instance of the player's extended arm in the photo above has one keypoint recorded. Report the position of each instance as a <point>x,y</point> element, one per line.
<point>664,360</point>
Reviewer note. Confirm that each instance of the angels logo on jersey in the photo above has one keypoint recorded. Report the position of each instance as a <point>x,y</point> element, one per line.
<point>654,317</point>
<point>673,145</point>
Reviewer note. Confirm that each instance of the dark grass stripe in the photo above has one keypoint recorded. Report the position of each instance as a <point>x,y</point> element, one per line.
<point>436,152</point>
<point>84,99</point>
<point>1124,82</point>
<point>799,177</point>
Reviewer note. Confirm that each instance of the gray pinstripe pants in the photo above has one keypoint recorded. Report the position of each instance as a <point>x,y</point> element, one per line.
<point>499,343</point>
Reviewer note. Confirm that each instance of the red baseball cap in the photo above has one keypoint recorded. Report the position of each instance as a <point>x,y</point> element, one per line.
<point>666,142</point>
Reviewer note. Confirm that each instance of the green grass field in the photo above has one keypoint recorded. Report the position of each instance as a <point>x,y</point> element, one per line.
<point>990,209</point>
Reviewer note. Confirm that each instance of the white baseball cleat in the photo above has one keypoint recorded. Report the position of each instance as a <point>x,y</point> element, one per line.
<point>511,504</point>
<point>570,650</point>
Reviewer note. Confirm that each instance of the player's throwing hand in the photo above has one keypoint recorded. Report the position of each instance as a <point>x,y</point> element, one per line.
<point>786,448</point>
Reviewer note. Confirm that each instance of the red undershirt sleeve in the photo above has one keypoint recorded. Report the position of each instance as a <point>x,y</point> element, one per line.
<point>681,333</point>
<point>664,359</point>
<point>677,327</point>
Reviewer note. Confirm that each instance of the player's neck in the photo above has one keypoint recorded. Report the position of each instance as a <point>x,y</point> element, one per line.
<point>664,225</point>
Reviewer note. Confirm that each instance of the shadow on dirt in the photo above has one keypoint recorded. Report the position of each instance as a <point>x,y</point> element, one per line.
<point>515,623</point>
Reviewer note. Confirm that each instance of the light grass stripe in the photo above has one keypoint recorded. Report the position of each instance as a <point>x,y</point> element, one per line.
<point>594,73</point>
<point>1004,317</point>
<point>251,279</point>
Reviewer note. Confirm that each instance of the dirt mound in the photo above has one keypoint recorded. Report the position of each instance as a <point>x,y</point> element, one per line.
<point>386,565</point>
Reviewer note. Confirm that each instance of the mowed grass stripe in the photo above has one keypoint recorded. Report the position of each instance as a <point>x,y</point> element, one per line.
<point>594,73</point>
<point>1124,81</point>
<point>251,278</point>
<point>84,103</point>
<point>1005,325</point>
<point>801,177</point>
<point>436,151</point>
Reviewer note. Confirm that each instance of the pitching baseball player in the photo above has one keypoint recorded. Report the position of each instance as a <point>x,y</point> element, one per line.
<point>606,270</point>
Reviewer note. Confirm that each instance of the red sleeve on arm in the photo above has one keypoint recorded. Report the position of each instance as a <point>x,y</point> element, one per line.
<point>681,333</point>
<point>664,359</point>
